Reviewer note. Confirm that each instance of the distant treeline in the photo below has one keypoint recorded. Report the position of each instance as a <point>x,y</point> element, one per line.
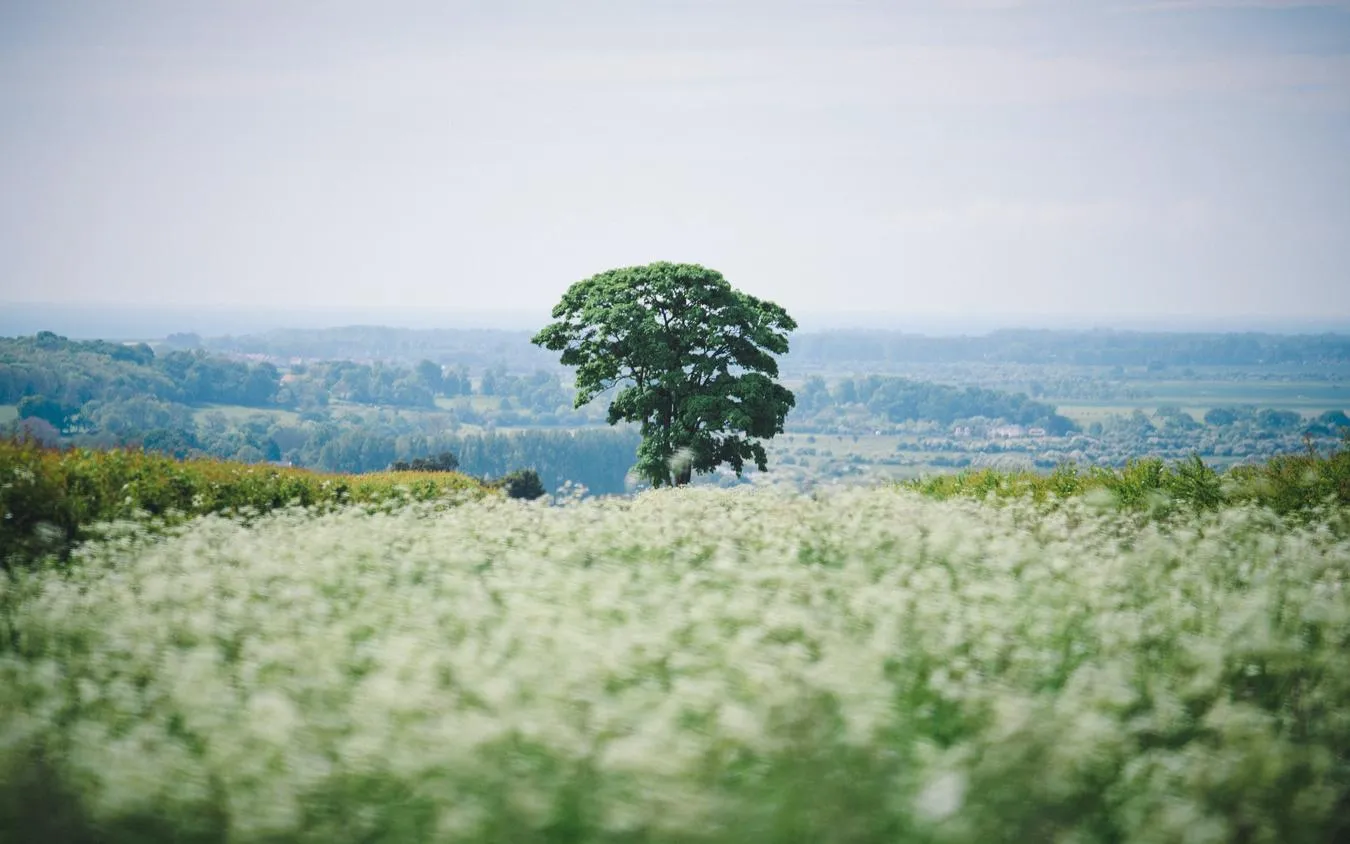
<point>474,348</point>
<point>73,372</point>
<point>1081,348</point>
<point>824,349</point>
<point>72,383</point>
<point>902,400</point>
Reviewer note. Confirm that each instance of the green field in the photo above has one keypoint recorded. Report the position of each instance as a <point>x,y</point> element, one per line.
<point>1291,395</point>
<point>1197,397</point>
<point>867,445</point>
<point>834,448</point>
<point>479,403</point>
<point>1086,413</point>
<point>861,457</point>
<point>238,414</point>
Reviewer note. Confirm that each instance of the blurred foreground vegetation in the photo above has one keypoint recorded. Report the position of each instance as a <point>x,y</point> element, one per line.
<point>754,665</point>
<point>256,654</point>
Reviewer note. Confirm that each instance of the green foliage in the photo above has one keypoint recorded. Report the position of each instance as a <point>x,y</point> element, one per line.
<point>134,417</point>
<point>73,372</point>
<point>377,383</point>
<point>52,412</point>
<point>1296,483</point>
<point>446,461</point>
<point>429,375</point>
<point>522,483</point>
<point>1335,419</point>
<point>50,499</point>
<point>111,381</point>
<point>1278,420</point>
<point>1293,484</point>
<point>692,359</point>
<point>904,399</point>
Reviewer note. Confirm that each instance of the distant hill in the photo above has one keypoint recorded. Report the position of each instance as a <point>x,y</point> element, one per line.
<point>834,348</point>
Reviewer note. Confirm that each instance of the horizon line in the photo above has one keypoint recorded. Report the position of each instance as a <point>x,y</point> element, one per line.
<point>136,321</point>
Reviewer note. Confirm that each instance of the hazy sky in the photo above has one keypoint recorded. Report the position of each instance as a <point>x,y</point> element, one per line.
<point>1121,159</point>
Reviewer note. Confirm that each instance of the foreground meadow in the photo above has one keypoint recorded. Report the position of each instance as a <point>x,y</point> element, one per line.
<point>687,666</point>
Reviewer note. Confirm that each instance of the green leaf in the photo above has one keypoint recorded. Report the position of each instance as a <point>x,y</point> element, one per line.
<point>692,358</point>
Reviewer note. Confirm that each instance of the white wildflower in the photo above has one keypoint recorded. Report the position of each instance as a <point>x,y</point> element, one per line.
<point>941,797</point>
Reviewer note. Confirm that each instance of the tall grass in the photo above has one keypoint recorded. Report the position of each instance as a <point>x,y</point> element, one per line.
<point>1287,484</point>
<point>687,666</point>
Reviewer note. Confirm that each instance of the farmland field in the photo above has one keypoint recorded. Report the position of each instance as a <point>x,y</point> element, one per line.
<point>479,403</point>
<point>1294,395</point>
<point>1196,397</point>
<point>695,665</point>
<point>1086,413</point>
<point>237,414</point>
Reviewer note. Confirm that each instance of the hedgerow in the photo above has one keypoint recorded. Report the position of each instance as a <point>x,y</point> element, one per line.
<point>49,498</point>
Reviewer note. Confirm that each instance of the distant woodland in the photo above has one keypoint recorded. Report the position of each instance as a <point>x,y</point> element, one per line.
<point>362,398</point>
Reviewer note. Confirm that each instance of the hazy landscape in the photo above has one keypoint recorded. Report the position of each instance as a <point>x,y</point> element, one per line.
<point>251,647</point>
<point>675,423</point>
<point>870,404</point>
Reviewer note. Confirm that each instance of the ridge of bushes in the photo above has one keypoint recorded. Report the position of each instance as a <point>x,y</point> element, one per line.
<point>50,498</point>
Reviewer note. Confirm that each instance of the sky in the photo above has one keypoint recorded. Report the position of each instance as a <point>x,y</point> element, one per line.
<point>976,160</point>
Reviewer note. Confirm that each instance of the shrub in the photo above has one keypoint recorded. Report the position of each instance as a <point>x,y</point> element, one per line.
<point>522,483</point>
<point>444,462</point>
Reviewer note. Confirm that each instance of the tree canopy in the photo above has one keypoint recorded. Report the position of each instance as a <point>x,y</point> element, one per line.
<point>692,359</point>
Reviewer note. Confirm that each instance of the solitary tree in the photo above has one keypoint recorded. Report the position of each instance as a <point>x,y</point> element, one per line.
<point>693,359</point>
